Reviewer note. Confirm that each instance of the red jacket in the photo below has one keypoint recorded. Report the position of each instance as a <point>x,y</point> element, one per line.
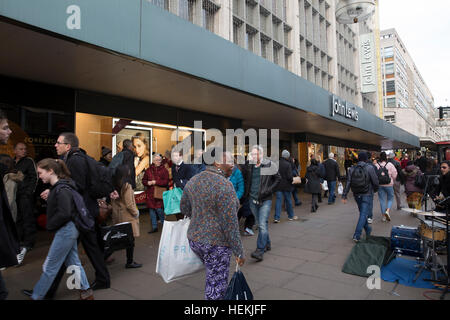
<point>161,176</point>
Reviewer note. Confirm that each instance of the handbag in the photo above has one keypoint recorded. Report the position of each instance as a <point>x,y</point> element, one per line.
<point>158,192</point>
<point>238,288</point>
<point>175,259</point>
<point>104,211</point>
<point>171,199</point>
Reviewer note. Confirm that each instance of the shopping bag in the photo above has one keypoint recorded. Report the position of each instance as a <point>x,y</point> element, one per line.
<point>296,180</point>
<point>171,200</point>
<point>238,288</point>
<point>117,237</point>
<point>325,185</point>
<point>175,259</point>
<point>340,188</point>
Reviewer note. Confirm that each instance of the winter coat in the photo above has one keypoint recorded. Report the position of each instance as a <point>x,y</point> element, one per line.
<point>268,183</point>
<point>28,168</point>
<point>410,172</point>
<point>331,170</point>
<point>60,206</point>
<point>124,209</point>
<point>128,159</point>
<point>285,172</point>
<point>182,175</point>
<point>161,176</point>
<point>9,240</point>
<point>11,181</point>
<point>238,182</point>
<point>313,180</point>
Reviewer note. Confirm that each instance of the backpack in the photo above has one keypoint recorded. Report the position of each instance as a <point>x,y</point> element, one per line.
<point>383,175</point>
<point>360,180</point>
<point>420,181</point>
<point>83,220</point>
<point>99,178</point>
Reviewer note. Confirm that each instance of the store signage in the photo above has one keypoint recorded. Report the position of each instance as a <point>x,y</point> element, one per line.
<point>368,64</point>
<point>344,109</point>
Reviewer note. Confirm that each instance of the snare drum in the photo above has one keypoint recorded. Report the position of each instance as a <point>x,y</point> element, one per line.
<point>406,241</point>
<point>426,231</point>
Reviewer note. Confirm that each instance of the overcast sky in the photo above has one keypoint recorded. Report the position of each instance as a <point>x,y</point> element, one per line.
<point>424,27</point>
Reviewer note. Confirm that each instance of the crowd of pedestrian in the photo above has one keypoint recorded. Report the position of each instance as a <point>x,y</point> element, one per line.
<point>79,190</point>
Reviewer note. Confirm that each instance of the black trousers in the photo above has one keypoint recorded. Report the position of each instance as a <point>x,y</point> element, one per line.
<point>26,222</point>
<point>130,254</point>
<point>95,255</point>
<point>3,290</point>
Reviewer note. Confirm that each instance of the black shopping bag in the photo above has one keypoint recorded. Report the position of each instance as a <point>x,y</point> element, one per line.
<point>117,237</point>
<point>238,288</point>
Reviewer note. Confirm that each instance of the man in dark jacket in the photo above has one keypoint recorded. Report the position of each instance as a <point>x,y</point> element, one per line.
<point>261,181</point>
<point>9,241</point>
<point>364,182</point>
<point>26,222</point>
<point>332,176</point>
<point>67,146</point>
<point>285,187</point>
<point>421,162</point>
<point>181,172</point>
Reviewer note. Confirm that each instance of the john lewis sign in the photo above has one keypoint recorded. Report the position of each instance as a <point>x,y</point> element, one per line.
<point>368,64</point>
<point>344,109</point>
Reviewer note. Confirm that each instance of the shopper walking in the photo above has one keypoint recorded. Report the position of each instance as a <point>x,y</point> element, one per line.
<point>387,174</point>
<point>210,200</point>
<point>399,181</point>
<point>331,176</point>
<point>259,188</point>
<point>67,147</point>
<point>296,169</point>
<point>313,183</point>
<point>245,211</point>
<point>124,209</point>
<point>106,156</point>
<point>414,194</point>
<point>363,182</point>
<point>284,189</point>
<point>155,177</point>
<point>61,213</point>
<point>9,240</point>
<point>26,222</point>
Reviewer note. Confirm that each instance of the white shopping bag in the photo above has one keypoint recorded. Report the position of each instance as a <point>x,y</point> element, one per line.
<point>175,257</point>
<point>340,189</point>
<point>325,185</point>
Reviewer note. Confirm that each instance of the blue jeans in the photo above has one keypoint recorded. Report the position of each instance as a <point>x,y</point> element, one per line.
<point>331,189</point>
<point>385,192</point>
<point>296,199</point>
<point>64,249</point>
<point>363,202</point>
<point>288,202</point>
<point>262,212</point>
<point>153,213</point>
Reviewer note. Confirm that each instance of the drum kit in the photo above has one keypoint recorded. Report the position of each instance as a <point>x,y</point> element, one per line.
<point>426,242</point>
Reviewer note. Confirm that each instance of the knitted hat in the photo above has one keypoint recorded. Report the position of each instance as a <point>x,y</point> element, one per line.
<point>105,151</point>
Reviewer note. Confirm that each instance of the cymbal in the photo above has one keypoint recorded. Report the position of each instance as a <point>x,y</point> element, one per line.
<point>431,214</point>
<point>411,210</point>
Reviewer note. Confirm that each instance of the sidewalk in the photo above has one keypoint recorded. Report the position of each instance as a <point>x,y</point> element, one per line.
<point>304,264</point>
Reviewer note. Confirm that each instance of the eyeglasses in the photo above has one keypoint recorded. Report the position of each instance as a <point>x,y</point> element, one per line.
<point>57,142</point>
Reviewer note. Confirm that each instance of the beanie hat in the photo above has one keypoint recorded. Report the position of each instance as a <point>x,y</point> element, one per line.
<point>285,154</point>
<point>362,156</point>
<point>105,151</point>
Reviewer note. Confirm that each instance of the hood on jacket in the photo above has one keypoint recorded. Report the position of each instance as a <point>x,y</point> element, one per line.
<point>411,170</point>
<point>68,182</point>
<point>16,177</point>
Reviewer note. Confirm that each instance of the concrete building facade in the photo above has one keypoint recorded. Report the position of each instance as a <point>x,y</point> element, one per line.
<point>407,100</point>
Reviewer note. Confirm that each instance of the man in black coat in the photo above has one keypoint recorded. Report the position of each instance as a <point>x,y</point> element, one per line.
<point>421,162</point>
<point>67,146</point>
<point>284,189</point>
<point>332,176</point>
<point>26,222</point>
<point>181,172</point>
<point>9,241</point>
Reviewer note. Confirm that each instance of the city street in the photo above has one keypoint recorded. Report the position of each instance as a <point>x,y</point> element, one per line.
<point>304,264</point>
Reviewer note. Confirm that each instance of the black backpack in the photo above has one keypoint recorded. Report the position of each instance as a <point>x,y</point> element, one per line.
<point>83,219</point>
<point>99,178</point>
<point>383,175</point>
<point>360,180</point>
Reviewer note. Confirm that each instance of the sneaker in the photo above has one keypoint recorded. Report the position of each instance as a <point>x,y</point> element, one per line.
<point>355,240</point>
<point>384,218</point>
<point>293,218</point>
<point>387,216</point>
<point>276,221</point>
<point>268,248</point>
<point>21,255</point>
<point>258,255</point>
<point>369,220</point>
<point>249,232</point>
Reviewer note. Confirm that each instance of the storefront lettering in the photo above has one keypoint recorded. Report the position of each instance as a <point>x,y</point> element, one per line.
<point>343,108</point>
<point>74,20</point>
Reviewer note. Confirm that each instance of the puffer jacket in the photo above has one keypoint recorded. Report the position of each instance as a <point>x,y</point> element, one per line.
<point>410,172</point>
